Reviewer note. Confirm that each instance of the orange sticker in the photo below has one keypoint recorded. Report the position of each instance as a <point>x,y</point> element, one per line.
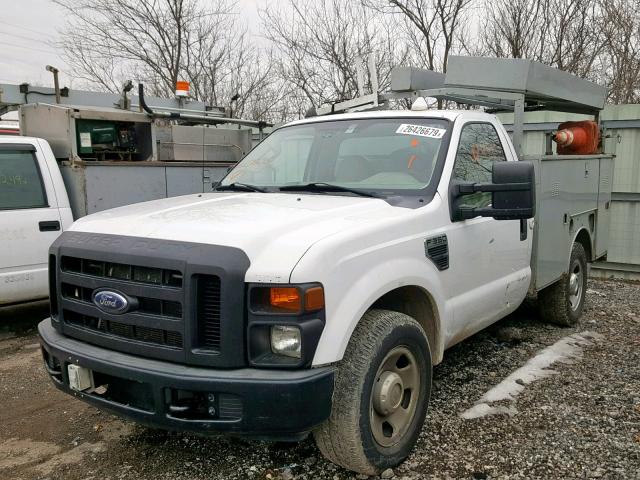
<point>414,143</point>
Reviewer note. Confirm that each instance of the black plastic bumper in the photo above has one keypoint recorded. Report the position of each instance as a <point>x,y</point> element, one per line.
<point>270,404</point>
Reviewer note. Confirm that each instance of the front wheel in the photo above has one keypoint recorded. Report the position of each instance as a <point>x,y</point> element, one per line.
<point>381,394</point>
<point>562,303</point>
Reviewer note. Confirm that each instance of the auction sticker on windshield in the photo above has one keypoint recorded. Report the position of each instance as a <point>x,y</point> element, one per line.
<point>421,130</point>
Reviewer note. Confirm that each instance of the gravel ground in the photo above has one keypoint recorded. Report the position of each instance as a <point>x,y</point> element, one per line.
<point>582,422</point>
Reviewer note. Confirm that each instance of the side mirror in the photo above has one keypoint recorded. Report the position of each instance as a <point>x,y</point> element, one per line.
<point>512,190</point>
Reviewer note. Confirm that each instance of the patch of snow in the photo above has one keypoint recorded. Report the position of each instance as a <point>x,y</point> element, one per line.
<point>567,350</point>
<point>591,291</point>
<point>480,410</point>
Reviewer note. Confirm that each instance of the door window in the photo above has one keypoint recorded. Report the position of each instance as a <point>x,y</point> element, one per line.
<point>20,181</point>
<point>478,149</point>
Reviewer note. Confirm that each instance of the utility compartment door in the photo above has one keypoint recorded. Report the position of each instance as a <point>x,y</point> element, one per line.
<point>567,199</point>
<point>603,216</point>
<point>29,223</point>
<point>194,178</point>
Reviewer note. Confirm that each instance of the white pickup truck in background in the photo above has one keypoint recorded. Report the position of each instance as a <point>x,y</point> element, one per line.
<point>34,210</point>
<point>9,124</point>
<point>316,287</point>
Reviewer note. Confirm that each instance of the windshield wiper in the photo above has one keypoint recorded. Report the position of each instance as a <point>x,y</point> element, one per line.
<point>326,187</point>
<point>243,187</point>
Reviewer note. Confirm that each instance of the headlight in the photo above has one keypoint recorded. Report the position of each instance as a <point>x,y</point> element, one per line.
<point>284,324</point>
<point>285,340</point>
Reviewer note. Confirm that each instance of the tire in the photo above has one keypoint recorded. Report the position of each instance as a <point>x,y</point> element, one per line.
<point>562,303</point>
<point>384,345</point>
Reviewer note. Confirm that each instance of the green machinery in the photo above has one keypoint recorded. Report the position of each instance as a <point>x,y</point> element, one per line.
<point>105,139</point>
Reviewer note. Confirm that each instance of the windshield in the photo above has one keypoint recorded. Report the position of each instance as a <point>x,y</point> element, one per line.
<point>386,154</point>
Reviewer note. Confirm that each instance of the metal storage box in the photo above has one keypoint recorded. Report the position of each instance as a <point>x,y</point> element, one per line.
<point>411,78</point>
<point>572,192</point>
<point>557,89</point>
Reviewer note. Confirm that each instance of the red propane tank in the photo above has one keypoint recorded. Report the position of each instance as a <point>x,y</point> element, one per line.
<point>577,138</point>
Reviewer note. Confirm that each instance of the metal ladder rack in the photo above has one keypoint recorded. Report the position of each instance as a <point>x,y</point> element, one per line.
<point>498,84</point>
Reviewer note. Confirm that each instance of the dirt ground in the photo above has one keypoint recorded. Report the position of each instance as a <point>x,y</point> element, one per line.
<point>581,421</point>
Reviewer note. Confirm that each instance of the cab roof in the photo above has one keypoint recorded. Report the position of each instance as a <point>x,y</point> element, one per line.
<point>18,139</point>
<point>444,114</point>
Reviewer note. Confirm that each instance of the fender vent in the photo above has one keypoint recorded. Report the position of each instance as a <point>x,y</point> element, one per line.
<point>437,250</point>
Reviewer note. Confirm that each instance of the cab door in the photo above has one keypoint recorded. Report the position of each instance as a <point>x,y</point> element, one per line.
<point>29,222</point>
<point>489,262</point>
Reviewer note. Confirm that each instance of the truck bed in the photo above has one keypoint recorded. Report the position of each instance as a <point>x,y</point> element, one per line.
<point>100,185</point>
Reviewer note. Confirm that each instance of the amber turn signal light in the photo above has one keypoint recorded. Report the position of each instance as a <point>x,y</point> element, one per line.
<point>314,299</point>
<point>289,299</point>
<point>285,298</point>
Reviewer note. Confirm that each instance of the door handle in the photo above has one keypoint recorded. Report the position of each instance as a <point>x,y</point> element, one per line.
<point>49,226</point>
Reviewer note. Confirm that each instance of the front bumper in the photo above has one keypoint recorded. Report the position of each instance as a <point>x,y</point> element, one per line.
<point>269,404</point>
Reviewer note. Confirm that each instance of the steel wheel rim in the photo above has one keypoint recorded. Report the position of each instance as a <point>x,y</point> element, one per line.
<point>394,396</point>
<point>576,285</point>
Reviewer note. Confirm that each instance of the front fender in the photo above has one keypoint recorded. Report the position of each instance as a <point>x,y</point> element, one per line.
<point>355,283</point>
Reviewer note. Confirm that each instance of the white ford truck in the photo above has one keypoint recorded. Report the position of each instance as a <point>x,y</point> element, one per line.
<point>315,289</point>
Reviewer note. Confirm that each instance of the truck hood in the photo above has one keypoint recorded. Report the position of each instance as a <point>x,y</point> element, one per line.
<point>273,229</point>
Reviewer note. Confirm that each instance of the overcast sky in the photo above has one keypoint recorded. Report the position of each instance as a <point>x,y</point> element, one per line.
<point>29,31</point>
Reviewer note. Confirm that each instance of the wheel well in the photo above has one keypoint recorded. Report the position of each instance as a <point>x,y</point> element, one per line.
<point>584,239</point>
<point>418,304</point>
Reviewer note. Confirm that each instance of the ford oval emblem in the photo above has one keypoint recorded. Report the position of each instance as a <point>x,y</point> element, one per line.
<point>110,302</point>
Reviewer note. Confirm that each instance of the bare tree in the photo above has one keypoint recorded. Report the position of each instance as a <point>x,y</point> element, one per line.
<point>162,41</point>
<point>515,28</point>
<point>319,42</point>
<point>621,56</point>
<point>312,46</point>
<point>574,37</point>
<point>432,27</point>
<point>565,34</point>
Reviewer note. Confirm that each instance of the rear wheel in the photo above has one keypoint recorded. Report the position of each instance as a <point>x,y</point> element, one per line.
<point>562,303</point>
<point>381,394</point>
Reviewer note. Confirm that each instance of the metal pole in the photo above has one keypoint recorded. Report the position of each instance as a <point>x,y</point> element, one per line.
<point>196,118</point>
<point>56,85</point>
<point>373,73</point>
<point>518,125</point>
<point>360,75</point>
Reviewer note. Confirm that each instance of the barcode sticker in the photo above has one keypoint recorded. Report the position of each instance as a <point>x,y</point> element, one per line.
<point>420,130</point>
